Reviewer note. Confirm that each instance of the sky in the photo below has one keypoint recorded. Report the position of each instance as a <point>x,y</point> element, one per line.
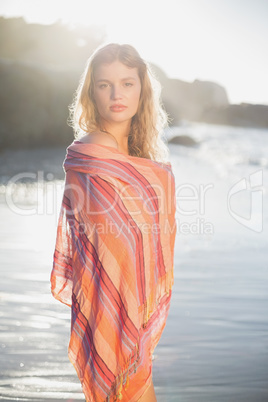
<point>224,41</point>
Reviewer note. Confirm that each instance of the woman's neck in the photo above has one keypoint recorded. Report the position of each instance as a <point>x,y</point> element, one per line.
<point>120,132</point>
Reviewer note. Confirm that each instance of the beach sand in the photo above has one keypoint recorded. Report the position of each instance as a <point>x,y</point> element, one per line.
<point>215,344</point>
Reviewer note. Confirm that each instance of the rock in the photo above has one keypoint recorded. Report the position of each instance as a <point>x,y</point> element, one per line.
<point>184,140</point>
<point>189,101</point>
<point>243,115</point>
<point>34,105</point>
<point>205,101</point>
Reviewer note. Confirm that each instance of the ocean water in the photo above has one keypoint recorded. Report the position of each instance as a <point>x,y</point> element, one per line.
<point>227,174</point>
<point>215,344</point>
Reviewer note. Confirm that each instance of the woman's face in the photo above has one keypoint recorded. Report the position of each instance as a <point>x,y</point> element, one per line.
<point>117,90</point>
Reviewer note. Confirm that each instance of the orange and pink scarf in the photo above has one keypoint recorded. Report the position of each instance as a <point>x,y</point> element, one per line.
<point>113,264</point>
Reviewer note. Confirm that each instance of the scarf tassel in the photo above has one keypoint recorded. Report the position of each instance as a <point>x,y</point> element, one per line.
<point>122,380</point>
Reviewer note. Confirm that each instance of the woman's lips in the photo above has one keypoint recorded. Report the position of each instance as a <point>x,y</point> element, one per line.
<point>118,108</point>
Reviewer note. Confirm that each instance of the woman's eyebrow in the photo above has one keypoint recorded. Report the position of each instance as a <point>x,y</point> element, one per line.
<point>122,79</point>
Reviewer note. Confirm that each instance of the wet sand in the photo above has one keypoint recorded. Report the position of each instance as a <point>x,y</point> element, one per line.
<point>215,344</point>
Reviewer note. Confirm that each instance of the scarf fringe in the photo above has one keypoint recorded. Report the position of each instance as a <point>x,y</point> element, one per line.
<point>122,380</point>
<point>165,284</point>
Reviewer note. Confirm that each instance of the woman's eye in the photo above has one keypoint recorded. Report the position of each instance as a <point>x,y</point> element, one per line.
<point>128,84</point>
<point>102,86</point>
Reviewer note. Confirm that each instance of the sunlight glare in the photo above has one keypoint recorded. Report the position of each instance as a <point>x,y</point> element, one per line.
<point>187,39</point>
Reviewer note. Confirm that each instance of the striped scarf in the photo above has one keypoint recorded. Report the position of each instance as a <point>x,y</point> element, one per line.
<point>113,265</point>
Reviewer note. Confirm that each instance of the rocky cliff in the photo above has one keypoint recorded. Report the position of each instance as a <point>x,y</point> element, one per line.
<point>205,101</point>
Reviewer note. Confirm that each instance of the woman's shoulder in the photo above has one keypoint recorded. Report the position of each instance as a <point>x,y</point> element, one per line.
<point>100,138</point>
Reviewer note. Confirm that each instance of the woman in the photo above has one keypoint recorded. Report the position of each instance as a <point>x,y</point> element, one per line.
<point>113,261</point>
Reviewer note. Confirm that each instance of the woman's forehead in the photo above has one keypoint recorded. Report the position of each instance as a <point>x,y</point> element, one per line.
<point>116,69</point>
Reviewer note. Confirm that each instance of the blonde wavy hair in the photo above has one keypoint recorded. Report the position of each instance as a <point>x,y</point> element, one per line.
<point>147,127</point>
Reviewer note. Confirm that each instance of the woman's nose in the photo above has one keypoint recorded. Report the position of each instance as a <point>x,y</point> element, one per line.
<point>116,93</point>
